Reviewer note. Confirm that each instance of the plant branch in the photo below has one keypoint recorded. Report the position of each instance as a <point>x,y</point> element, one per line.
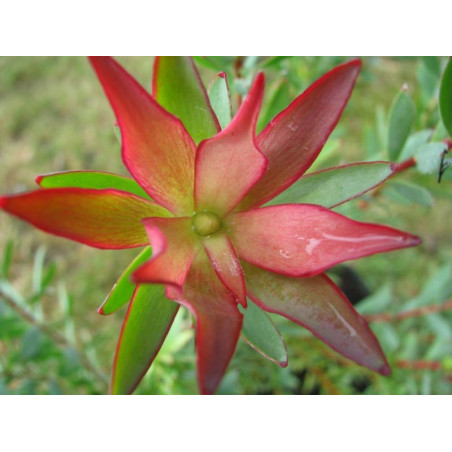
<point>425,310</point>
<point>418,365</point>
<point>56,336</point>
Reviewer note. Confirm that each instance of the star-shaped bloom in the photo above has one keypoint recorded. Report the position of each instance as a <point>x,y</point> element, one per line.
<point>198,200</point>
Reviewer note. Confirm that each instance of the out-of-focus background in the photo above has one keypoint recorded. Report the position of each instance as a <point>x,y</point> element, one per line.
<point>55,117</point>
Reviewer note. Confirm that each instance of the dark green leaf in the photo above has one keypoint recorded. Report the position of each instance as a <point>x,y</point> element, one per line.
<point>91,179</point>
<point>412,193</point>
<point>122,291</point>
<point>445,97</point>
<point>179,89</point>
<point>401,120</point>
<point>220,99</point>
<point>146,325</point>
<point>335,186</point>
<point>31,343</point>
<point>261,333</point>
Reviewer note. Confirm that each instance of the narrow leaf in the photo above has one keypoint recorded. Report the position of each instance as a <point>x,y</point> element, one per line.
<point>262,334</point>
<point>178,88</point>
<point>220,99</point>
<point>334,186</point>
<point>445,97</point>
<point>90,179</point>
<point>122,291</point>
<point>145,327</point>
<point>413,193</point>
<point>7,258</point>
<point>401,119</point>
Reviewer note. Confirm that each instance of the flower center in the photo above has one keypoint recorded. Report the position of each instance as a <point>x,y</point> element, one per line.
<point>206,223</point>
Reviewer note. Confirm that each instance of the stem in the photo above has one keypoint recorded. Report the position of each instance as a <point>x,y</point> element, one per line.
<point>56,336</point>
<point>238,64</point>
<point>425,310</point>
<point>418,365</point>
<point>409,163</point>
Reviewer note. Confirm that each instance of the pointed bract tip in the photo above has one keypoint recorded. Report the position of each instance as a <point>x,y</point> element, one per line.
<point>222,74</point>
<point>38,179</point>
<point>385,370</point>
<point>283,364</point>
<point>101,310</point>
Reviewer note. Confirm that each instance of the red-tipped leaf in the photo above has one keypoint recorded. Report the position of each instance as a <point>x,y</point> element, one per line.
<point>229,164</point>
<point>293,139</point>
<point>147,322</point>
<point>108,219</point>
<point>305,239</point>
<point>318,305</point>
<point>174,246</point>
<point>218,322</point>
<point>156,148</point>
<point>226,264</point>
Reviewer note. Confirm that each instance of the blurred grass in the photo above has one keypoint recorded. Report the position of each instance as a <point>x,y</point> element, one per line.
<point>55,117</point>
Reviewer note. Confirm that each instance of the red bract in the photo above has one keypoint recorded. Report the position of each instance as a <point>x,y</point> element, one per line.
<point>199,208</point>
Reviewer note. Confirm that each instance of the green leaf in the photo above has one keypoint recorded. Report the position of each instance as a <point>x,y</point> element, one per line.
<point>432,63</point>
<point>274,61</point>
<point>261,333</point>
<point>428,157</point>
<point>31,343</point>
<point>278,100</point>
<point>445,97</point>
<point>413,193</point>
<point>221,100</point>
<point>335,186</point>
<point>7,258</point>
<point>145,327</point>
<point>122,291</point>
<point>178,88</point>
<point>401,120</point>
<point>413,143</point>
<point>90,179</point>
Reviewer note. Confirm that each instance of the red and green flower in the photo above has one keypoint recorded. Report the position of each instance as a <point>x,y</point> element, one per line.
<point>220,234</point>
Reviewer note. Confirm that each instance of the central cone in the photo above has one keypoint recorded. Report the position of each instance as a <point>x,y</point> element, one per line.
<point>206,223</point>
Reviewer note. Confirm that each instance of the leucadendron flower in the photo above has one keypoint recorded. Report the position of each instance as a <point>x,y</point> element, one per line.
<point>209,203</point>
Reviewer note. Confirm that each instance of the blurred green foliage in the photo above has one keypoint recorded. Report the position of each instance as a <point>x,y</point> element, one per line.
<point>54,117</point>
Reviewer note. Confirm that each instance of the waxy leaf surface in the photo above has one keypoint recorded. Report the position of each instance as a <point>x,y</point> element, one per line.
<point>147,322</point>
<point>108,219</point>
<point>156,148</point>
<point>261,333</point>
<point>90,179</point>
<point>229,164</point>
<point>318,305</point>
<point>226,264</point>
<point>305,239</point>
<point>218,322</point>
<point>122,291</point>
<point>174,247</point>
<point>178,88</point>
<point>294,138</point>
<point>334,186</point>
